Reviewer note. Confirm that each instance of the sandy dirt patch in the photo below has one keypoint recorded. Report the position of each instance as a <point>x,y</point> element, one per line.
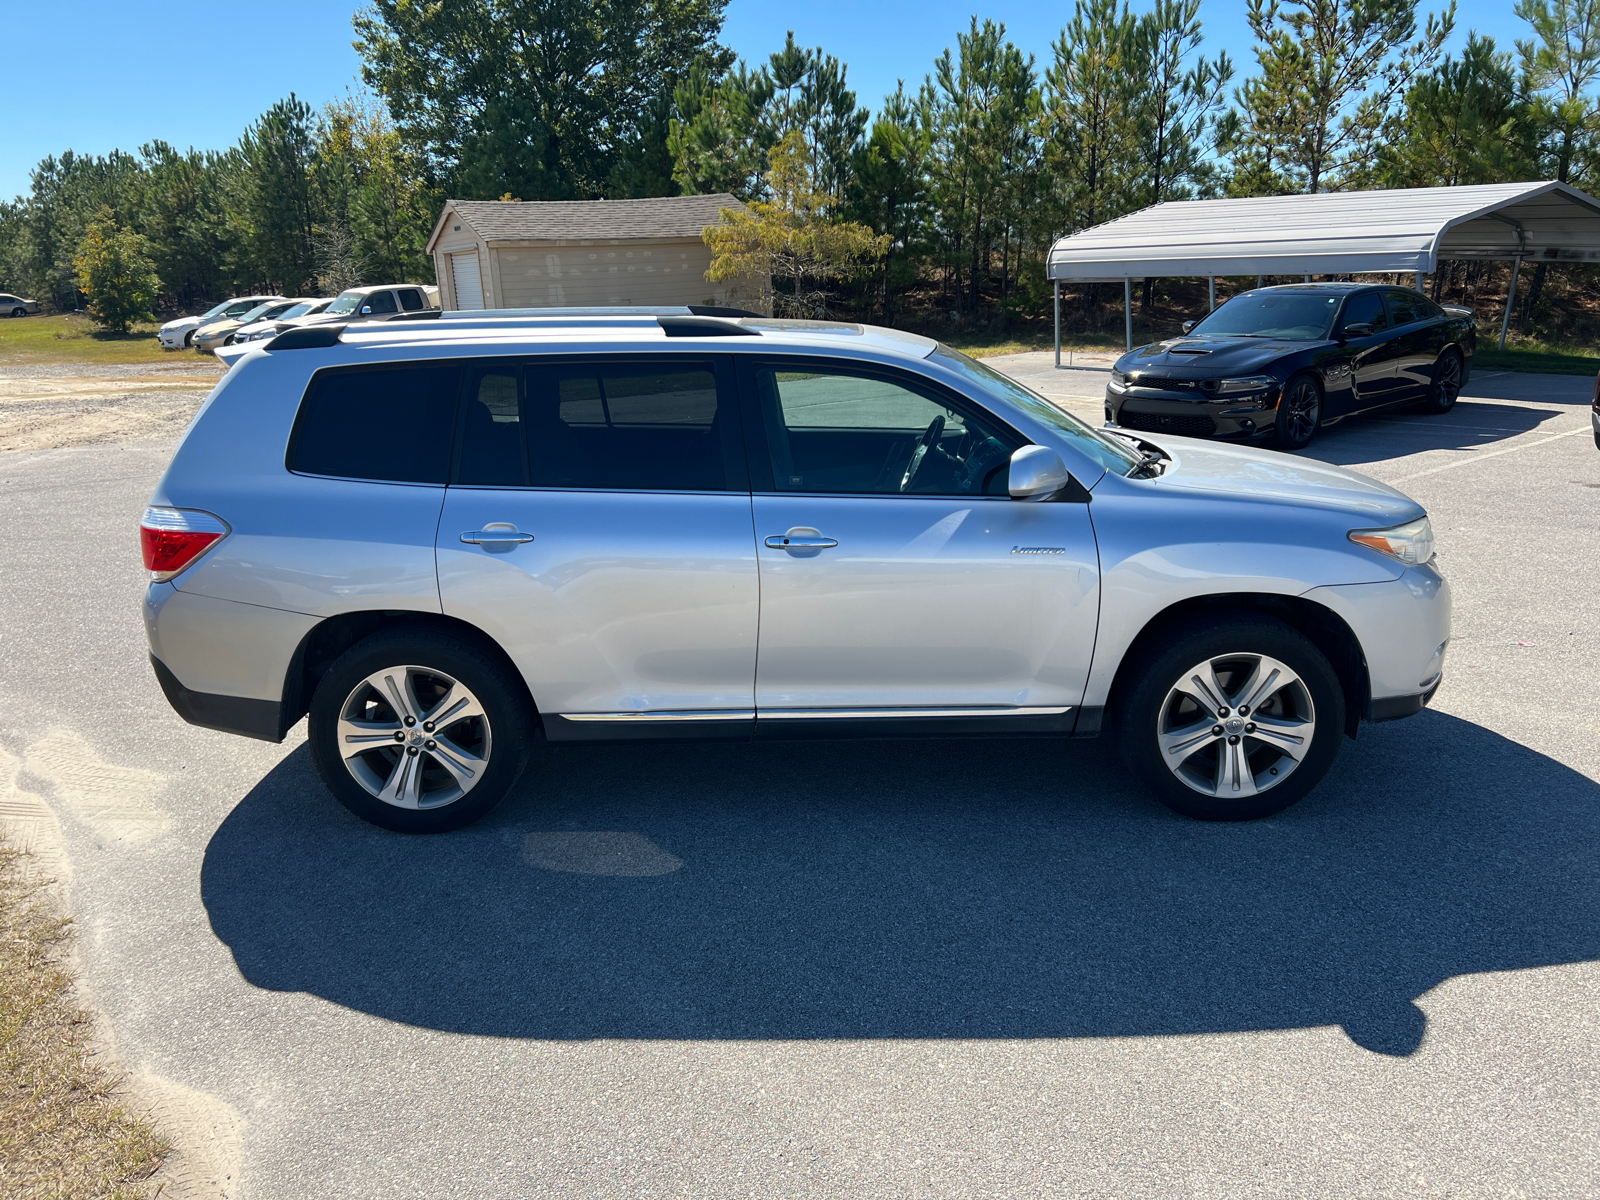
<point>49,407</point>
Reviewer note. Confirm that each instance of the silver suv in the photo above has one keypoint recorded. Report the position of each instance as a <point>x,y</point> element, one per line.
<point>446,539</point>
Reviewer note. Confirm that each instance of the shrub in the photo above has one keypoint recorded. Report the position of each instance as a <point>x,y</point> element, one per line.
<point>116,274</point>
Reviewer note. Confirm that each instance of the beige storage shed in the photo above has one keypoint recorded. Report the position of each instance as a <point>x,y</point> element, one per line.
<point>583,253</point>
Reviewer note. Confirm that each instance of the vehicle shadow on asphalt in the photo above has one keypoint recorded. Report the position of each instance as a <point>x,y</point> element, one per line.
<point>958,889</point>
<point>1405,431</point>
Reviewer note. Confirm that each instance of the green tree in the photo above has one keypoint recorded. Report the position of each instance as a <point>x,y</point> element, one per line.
<point>115,273</point>
<point>790,238</point>
<point>891,178</point>
<point>274,206</point>
<point>67,193</point>
<point>1330,73</point>
<point>183,211</point>
<point>1464,122</point>
<point>1090,100</point>
<point>537,97</point>
<point>719,139</point>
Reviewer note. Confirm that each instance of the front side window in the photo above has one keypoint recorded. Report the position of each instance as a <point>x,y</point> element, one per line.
<point>834,431</point>
<point>381,302</point>
<point>390,423</point>
<point>1111,453</point>
<point>1365,308</point>
<point>629,426</point>
<point>1286,316</point>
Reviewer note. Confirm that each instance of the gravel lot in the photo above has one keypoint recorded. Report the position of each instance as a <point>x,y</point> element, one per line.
<point>855,969</point>
<point>52,407</point>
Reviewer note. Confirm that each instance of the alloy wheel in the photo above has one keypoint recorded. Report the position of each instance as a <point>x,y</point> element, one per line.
<point>1236,725</point>
<point>1447,381</point>
<point>414,737</point>
<point>1298,412</point>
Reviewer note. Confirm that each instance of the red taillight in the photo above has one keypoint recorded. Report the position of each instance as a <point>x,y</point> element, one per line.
<point>172,538</point>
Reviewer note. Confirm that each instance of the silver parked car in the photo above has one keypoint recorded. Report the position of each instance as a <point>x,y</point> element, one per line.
<point>16,306</point>
<point>444,539</point>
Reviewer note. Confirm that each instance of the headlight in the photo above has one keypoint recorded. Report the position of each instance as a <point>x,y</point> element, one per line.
<point>1411,543</point>
<point>1233,387</point>
<point>1118,376</point>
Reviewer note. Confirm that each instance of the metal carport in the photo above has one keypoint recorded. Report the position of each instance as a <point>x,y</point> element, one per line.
<point>1332,233</point>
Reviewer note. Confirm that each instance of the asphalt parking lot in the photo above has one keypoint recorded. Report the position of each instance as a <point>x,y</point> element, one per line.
<point>857,969</point>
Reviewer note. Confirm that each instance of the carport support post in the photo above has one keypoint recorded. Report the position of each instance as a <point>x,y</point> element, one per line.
<point>1127,308</point>
<point>1058,322</point>
<point>1511,298</point>
<point>1212,289</point>
<point>1419,281</point>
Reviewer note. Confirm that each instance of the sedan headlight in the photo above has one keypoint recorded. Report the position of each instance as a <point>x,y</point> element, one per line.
<point>1411,543</point>
<point>1234,387</point>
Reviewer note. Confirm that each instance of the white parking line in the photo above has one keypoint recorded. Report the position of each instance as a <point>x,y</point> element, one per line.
<point>1473,456</point>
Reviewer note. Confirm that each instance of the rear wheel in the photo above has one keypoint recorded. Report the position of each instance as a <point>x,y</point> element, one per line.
<point>19,312</point>
<point>1299,414</point>
<point>418,732</point>
<point>1446,384</point>
<point>1233,722</point>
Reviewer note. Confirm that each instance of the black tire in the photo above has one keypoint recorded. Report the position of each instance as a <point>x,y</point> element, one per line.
<point>18,312</point>
<point>188,340</point>
<point>505,731</point>
<point>1152,705</point>
<point>1299,414</point>
<point>1446,385</point>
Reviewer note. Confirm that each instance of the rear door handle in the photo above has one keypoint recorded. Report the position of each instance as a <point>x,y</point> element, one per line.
<point>497,533</point>
<point>799,541</point>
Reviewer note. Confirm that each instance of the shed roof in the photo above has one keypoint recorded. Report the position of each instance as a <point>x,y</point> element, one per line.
<point>661,218</point>
<point>1404,229</point>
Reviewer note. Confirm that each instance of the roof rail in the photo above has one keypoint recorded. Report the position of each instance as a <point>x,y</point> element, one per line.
<point>307,337</point>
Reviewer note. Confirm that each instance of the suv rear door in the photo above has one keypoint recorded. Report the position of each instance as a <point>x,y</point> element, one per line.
<point>598,527</point>
<point>899,580</point>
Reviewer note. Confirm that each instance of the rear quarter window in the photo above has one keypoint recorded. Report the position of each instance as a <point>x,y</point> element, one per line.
<point>390,424</point>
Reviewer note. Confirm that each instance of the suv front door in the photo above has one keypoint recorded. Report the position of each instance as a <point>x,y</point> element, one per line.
<point>598,527</point>
<point>899,580</point>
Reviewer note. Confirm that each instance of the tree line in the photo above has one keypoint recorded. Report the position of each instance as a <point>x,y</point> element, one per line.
<point>946,197</point>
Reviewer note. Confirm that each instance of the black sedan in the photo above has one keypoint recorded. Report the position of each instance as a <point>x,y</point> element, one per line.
<point>1281,362</point>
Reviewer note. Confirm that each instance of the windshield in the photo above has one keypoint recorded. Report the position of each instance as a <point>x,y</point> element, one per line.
<point>1292,316</point>
<point>215,312</point>
<point>346,303</point>
<point>299,310</point>
<point>259,311</point>
<point>1109,452</point>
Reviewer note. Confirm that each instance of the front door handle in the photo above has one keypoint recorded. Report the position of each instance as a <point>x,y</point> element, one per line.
<point>799,541</point>
<point>496,533</point>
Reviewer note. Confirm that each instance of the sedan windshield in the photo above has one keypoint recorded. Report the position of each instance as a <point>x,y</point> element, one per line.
<point>346,303</point>
<point>1291,316</point>
<point>1111,453</point>
<point>299,310</point>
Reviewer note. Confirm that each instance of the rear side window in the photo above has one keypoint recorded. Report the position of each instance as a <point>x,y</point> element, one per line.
<point>392,424</point>
<point>623,426</point>
<point>1403,309</point>
<point>411,300</point>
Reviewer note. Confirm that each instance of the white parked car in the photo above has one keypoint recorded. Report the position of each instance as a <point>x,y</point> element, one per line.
<point>260,331</point>
<point>179,334</point>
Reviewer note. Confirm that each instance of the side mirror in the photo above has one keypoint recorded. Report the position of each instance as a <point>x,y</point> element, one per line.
<point>1359,329</point>
<point>366,310</point>
<point>1037,473</point>
<point>1188,325</point>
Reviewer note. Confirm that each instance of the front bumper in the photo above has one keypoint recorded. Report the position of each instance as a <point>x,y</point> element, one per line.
<point>1403,626</point>
<point>1191,414</point>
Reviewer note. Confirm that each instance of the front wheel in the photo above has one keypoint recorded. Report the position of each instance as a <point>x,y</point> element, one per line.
<point>1446,384</point>
<point>418,732</point>
<point>1299,414</point>
<point>1233,722</point>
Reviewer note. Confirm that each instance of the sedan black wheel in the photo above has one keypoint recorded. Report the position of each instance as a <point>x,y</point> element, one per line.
<point>1446,387</point>
<point>1299,414</point>
<point>19,312</point>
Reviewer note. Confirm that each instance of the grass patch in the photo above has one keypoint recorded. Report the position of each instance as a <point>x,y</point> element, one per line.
<point>71,338</point>
<point>987,345</point>
<point>62,1133</point>
<point>1538,358</point>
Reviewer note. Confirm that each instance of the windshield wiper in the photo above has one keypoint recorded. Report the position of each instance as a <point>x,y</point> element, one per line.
<point>1151,461</point>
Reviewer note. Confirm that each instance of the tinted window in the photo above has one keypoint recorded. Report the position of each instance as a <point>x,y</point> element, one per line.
<point>238,310</point>
<point>491,431</point>
<point>411,300</point>
<point>1365,307</point>
<point>1427,310</point>
<point>380,302</point>
<point>386,423</point>
<point>627,427</point>
<point>835,431</point>
<point>1402,308</point>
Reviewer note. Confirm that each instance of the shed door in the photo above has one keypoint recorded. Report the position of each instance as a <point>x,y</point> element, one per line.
<point>464,273</point>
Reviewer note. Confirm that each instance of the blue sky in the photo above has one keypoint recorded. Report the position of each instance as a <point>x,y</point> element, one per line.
<point>102,74</point>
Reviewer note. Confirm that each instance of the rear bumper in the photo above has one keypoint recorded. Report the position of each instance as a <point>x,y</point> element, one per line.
<point>260,719</point>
